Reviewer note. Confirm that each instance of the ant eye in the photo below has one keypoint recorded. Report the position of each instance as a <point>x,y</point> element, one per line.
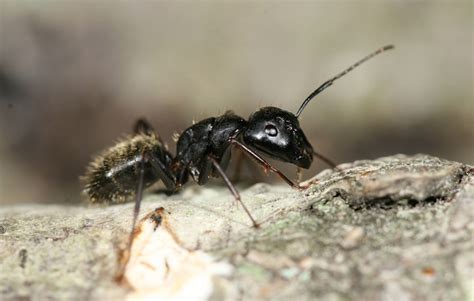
<point>271,130</point>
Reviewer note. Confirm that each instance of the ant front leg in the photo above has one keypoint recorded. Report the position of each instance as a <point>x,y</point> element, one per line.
<point>264,163</point>
<point>299,175</point>
<point>306,184</point>
<point>232,189</point>
<point>238,167</point>
<point>325,160</point>
<point>240,161</point>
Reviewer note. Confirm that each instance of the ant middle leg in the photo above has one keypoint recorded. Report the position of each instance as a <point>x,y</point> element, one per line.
<point>232,189</point>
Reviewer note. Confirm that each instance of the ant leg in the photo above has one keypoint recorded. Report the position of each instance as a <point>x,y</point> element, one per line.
<point>299,175</point>
<point>238,167</point>
<point>138,201</point>
<point>232,189</point>
<point>325,160</point>
<point>240,162</point>
<point>161,172</point>
<point>263,162</point>
<point>139,192</point>
<point>142,126</point>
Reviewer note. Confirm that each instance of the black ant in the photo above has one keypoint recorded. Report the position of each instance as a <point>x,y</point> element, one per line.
<point>203,150</point>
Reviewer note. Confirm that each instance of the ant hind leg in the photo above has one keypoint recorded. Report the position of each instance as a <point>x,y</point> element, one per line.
<point>136,211</point>
<point>160,171</point>
<point>142,126</point>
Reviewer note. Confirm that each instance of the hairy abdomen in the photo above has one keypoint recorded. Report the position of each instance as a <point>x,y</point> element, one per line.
<point>112,177</point>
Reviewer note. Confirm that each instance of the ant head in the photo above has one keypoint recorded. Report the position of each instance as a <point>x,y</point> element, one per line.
<point>277,133</point>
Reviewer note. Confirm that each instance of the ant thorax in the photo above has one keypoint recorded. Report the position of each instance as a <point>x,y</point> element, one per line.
<point>210,137</point>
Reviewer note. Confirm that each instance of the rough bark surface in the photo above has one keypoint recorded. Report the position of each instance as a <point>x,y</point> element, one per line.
<point>396,228</point>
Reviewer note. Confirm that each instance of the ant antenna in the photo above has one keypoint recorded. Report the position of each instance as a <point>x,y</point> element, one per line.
<point>331,81</point>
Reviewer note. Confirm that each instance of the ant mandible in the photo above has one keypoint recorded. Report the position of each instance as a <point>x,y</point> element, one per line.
<point>203,150</point>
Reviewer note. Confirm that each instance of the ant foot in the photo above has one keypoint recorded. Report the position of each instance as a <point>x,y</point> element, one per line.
<point>305,185</point>
<point>235,203</point>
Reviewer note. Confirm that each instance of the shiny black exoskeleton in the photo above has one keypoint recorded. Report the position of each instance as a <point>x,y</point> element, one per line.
<point>203,150</point>
<point>271,131</point>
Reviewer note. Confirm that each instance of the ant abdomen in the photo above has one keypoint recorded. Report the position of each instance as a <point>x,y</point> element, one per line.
<point>112,176</point>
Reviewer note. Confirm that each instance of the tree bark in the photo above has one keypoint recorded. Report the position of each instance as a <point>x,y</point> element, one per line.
<point>395,228</point>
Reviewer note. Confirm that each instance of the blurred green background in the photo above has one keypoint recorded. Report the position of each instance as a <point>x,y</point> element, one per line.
<point>74,75</point>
